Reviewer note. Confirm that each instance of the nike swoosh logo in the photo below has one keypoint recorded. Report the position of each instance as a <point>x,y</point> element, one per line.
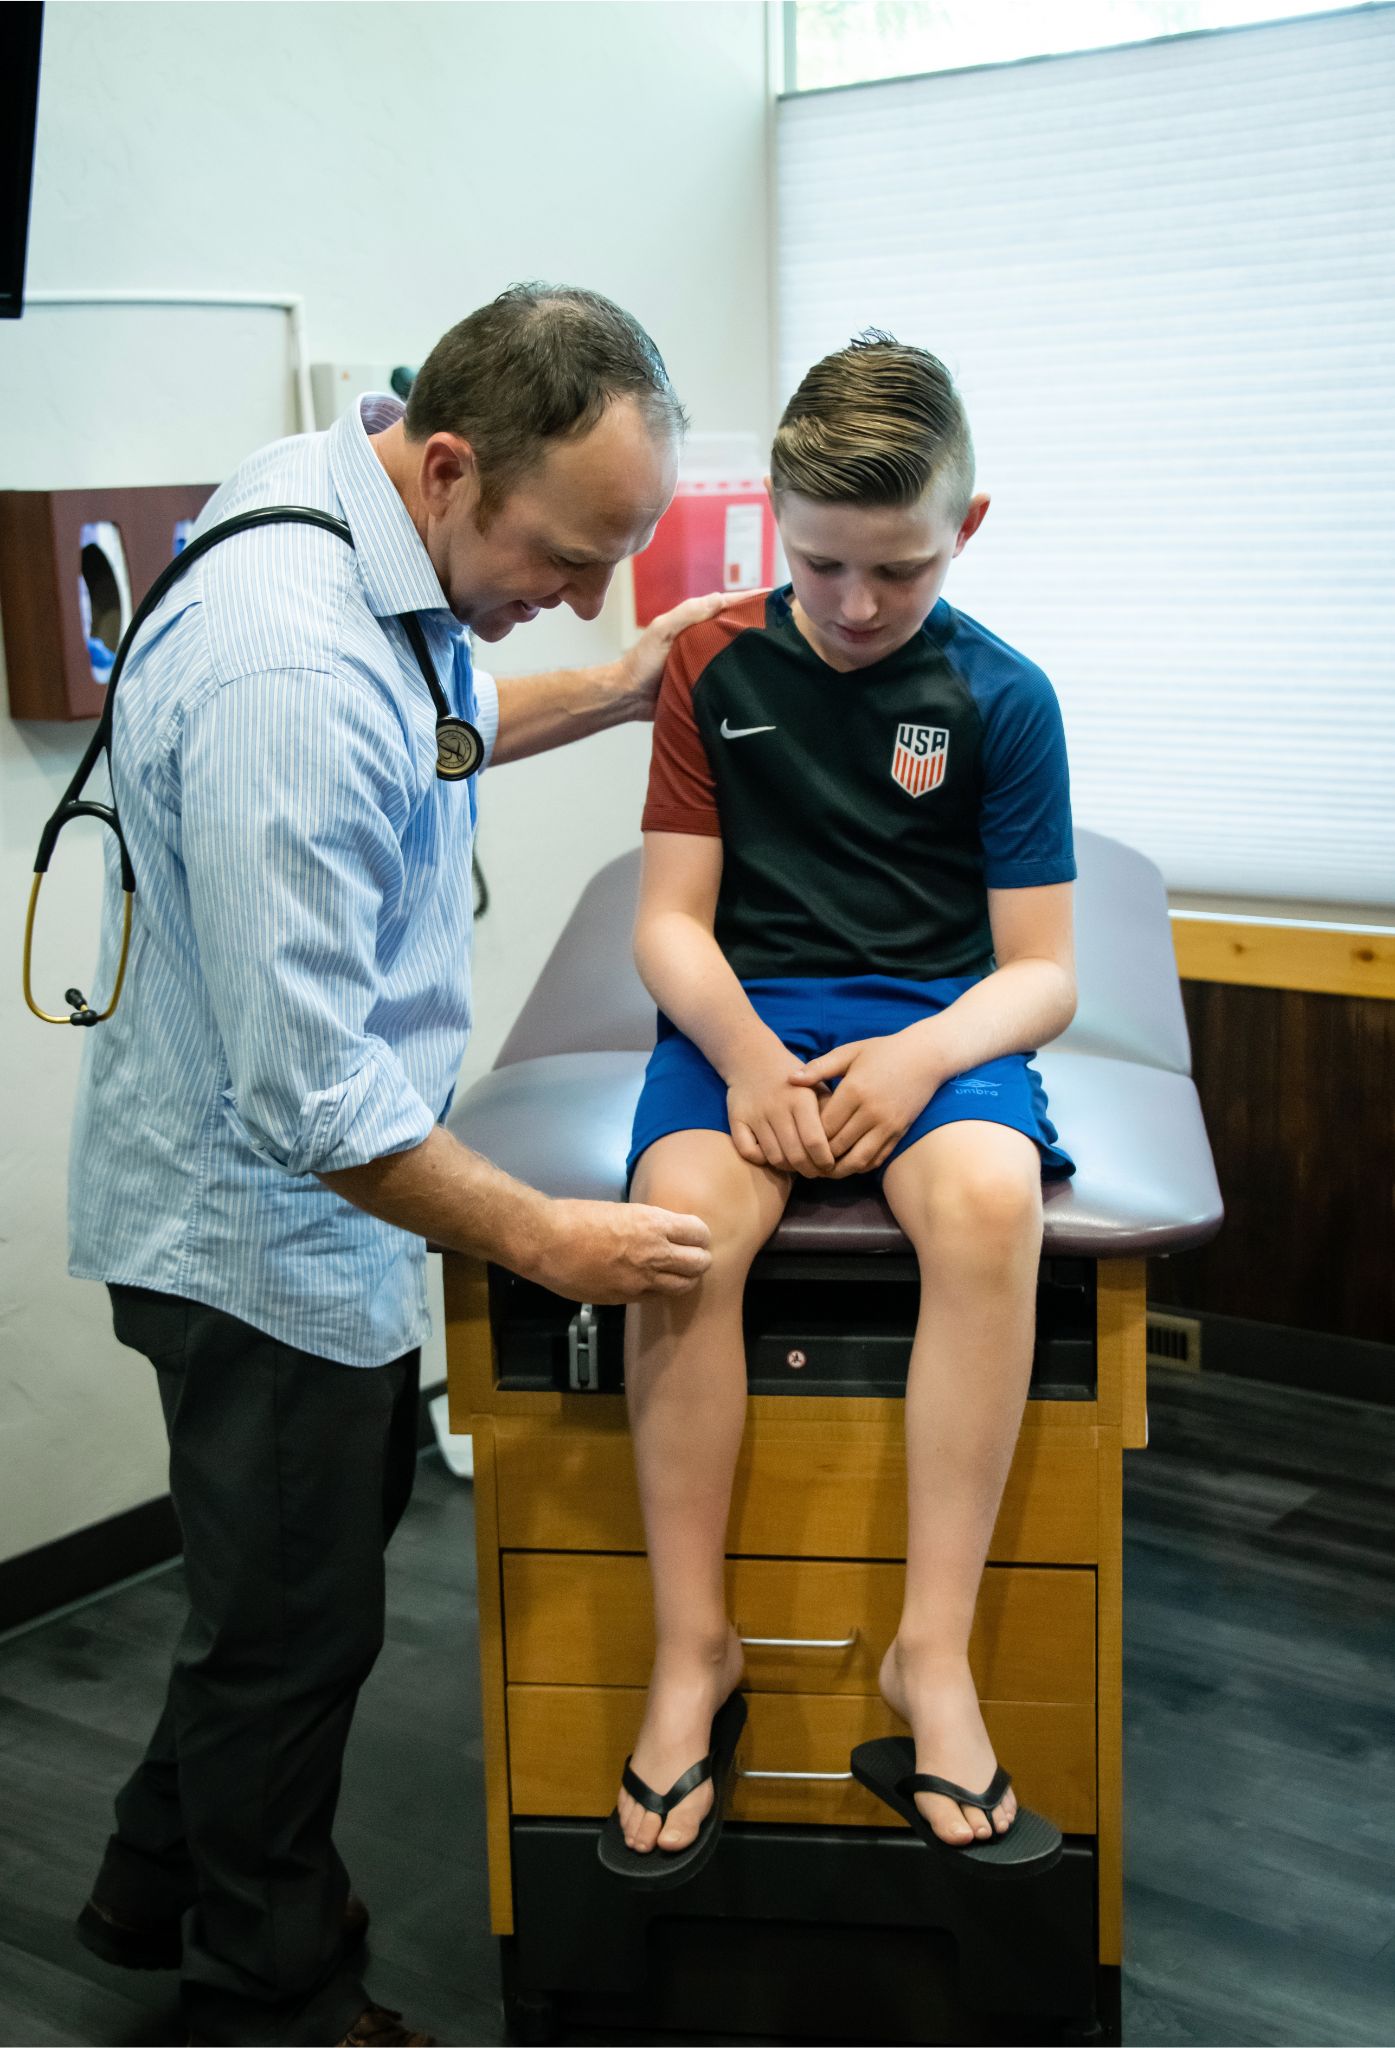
<point>741,732</point>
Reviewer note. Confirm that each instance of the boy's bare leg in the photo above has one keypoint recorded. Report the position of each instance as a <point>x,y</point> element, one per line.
<point>969,1198</point>
<point>685,1379</point>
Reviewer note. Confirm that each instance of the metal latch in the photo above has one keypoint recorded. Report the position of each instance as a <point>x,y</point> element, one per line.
<point>584,1351</point>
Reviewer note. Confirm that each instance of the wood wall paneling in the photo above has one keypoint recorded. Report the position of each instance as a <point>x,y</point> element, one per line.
<point>1298,1092</point>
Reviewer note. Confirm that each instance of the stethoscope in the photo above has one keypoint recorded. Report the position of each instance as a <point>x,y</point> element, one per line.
<point>459,748</point>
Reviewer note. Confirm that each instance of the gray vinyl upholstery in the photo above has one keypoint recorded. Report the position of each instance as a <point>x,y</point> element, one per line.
<point>589,998</point>
<point>557,1109</point>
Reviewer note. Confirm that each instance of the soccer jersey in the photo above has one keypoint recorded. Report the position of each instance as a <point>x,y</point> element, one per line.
<point>864,815</point>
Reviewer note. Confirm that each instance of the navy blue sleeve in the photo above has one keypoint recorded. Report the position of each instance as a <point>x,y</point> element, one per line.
<point>1025,824</point>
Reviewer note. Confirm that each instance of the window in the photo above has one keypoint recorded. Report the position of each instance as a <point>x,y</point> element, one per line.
<point>848,42</point>
<point>1164,278</point>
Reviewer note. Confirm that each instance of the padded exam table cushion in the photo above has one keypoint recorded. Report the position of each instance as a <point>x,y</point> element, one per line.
<point>557,1109</point>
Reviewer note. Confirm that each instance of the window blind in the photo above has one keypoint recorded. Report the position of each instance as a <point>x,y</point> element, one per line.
<point>1163,277</point>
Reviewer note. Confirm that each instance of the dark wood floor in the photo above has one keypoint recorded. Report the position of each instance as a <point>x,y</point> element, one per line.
<point>1260,1743</point>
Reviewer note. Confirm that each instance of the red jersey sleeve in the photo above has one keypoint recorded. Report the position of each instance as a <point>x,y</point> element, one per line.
<point>682,796</point>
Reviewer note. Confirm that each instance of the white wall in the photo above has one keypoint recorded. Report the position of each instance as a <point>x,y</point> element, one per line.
<point>396,164</point>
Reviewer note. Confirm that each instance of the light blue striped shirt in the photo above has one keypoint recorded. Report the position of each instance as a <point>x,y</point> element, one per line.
<point>298,997</point>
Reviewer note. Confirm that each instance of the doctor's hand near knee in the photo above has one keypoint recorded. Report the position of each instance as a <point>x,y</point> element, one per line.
<point>586,1251</point>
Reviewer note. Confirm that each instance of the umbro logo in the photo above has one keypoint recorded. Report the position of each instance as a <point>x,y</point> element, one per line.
<point>741,732</point>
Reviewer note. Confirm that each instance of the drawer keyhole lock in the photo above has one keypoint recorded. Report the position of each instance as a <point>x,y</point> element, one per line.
<point>796,1360</point>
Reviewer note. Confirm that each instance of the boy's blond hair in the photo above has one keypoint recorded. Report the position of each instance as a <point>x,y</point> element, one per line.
<point>876,423</point>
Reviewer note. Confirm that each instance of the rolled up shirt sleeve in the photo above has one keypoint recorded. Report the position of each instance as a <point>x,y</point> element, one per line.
<point>291,830</point>
<point>486,713</point>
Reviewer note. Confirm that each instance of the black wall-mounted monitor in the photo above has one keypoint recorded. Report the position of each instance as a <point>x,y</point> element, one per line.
<point>21,31</point>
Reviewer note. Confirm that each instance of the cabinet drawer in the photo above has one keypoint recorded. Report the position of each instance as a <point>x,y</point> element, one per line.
<point>568,1744</point>
<point>811,1491</point>
<point>851,1321</point>
<point>586,1620</point>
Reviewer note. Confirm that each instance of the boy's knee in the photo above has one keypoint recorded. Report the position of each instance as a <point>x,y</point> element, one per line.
<point>983,1205</point>
<point>707,1181</point>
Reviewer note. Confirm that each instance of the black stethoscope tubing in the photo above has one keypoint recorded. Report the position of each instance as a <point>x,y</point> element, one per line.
<point>459,747</point>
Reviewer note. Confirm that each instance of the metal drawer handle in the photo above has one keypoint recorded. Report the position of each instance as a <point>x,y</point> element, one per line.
<point>798,1642</point>
<point>802,1777</point>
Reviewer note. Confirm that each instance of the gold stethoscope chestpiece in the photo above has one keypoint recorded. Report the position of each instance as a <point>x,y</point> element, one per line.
<point>459,749</point>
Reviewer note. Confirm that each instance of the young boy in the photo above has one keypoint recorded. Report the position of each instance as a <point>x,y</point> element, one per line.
<point>855,918</point>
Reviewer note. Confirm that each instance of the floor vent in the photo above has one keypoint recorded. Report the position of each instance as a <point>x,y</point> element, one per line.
<point>1174,1340</point>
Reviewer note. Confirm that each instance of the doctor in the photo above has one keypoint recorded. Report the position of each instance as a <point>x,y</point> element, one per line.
<point>258,1152</point>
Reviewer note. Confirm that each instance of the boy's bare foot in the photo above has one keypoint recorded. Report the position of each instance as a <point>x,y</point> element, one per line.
<point>935,1696</point>
<point>685,1690</point>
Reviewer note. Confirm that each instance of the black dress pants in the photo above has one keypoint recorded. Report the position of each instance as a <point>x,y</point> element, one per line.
<point>288,1474</point>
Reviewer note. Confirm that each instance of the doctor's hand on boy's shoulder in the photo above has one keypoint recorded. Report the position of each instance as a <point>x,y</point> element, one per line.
<point>642,666</point>
<point>774,1121</point>
<point>881,1089</point>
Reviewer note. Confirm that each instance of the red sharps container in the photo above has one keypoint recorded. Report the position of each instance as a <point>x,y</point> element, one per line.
<point>719,532</point>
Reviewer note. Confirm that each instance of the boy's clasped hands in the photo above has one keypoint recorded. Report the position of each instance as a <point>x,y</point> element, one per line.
<point>831,1117</point>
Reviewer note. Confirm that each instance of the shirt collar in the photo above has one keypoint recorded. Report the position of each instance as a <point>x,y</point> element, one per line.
<point>937,625</point>
<point>392,559</point>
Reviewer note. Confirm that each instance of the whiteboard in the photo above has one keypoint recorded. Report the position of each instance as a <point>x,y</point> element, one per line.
<point>133,394</point>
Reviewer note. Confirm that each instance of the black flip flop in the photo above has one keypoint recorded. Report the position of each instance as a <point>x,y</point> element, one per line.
<point>658,1868</point>
<point>1030,1846</point>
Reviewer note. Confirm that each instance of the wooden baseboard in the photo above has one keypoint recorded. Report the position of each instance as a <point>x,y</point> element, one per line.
<point>1312,1360</point>
<point>95,1559</point>
<point>87,1562</point>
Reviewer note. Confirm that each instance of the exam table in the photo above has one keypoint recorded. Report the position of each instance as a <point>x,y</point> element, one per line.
<point>818,1918</point>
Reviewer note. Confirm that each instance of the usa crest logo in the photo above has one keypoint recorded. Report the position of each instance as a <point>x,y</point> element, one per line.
<point>920,757</point>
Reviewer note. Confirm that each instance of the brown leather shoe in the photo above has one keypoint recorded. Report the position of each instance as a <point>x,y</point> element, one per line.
<point>158,1945</point>
<point>377,2026</point>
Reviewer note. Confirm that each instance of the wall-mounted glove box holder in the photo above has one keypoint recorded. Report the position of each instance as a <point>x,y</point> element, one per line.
<point>73,566</point>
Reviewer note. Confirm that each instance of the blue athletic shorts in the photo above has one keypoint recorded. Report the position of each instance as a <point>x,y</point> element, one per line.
<point>684,1092</point>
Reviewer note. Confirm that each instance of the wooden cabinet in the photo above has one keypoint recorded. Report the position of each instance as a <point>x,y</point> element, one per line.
<point>819,1625</point>
<point>816,1549</point>
<point>804,1488</point>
